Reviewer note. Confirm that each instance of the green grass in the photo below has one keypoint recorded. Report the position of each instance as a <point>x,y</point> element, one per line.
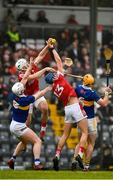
<point>9,174</point>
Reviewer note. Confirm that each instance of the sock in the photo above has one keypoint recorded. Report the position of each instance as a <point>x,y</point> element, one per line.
<point>13,157</point>
<point>58,152</point>
<point>81,151</point>
<point>36,162</point>
<point>86,164</point>
<point>43,128</point>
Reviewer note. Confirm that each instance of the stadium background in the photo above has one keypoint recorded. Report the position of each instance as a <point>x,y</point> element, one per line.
<point>76,39</point>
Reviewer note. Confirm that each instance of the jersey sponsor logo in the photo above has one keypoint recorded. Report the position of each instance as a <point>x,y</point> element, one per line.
<point>58,90</point>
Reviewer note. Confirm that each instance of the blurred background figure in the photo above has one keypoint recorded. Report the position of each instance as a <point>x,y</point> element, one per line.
<point>41,17</point>
<point>12,37</point>
<point>72,19</point>
<point>9,17</point>
<point>24,16</point>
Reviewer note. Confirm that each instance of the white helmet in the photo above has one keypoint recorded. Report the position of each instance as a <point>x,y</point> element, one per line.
<point>18,88</point>
<point>21,63</point>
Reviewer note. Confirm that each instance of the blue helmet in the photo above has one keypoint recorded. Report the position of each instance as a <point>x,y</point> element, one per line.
<point>49,78</point>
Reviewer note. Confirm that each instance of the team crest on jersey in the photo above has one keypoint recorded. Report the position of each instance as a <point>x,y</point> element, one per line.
<point>58,90</point>
<point>82,91</point>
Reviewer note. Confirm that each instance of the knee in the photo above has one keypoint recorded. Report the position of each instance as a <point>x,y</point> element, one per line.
<point>37,141</point>
<point>44,108</point>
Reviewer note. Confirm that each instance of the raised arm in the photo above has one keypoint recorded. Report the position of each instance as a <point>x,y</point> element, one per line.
<point>55,55</point>
<point>28,72</point>
<point>41,55</point>
<point>40,73</point>
<point>42,92</point>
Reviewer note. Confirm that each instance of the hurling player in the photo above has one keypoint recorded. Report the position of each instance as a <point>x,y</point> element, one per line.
<point>89,97</point>
<point>18,126</point>
<point>74,113</point>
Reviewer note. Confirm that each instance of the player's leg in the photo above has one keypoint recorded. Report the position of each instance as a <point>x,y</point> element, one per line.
<point>83,139</point>
<point>89,150</point>
<point>80,117</point>
<point>30,137</point>
<point>26,135</point>
<point>61,143</point>
<point>92,129</point>
<point>19,148</point>
<point>42,105</point>
<point>74,162</point>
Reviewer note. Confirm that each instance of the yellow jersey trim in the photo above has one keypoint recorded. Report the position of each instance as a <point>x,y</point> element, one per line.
<point>23,108</point>
<point>88,103</point>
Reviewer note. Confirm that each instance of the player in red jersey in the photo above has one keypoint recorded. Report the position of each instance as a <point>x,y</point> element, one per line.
<point>74,113</point>
<point>32,87</point>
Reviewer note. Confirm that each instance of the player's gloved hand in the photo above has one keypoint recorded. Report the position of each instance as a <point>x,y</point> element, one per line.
<point>111,87</point>
<point>108,90</point>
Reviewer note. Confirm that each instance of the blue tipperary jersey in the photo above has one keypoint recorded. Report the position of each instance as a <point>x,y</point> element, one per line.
<point>89,97</point>
<point>21,107</point>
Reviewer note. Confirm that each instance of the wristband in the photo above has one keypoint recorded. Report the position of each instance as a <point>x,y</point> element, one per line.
<point>51,49</point>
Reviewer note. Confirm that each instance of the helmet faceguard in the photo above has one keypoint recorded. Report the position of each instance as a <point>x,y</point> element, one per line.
<point>21,64</point>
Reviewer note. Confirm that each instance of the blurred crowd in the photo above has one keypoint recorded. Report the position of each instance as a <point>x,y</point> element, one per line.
<point>101,3</point>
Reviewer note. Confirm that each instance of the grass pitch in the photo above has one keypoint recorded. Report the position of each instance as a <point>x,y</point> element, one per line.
<point>9,174</point>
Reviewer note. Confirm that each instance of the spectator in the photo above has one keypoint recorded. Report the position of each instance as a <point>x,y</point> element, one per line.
<point>9,17</point>
<point>24,16</point>
<point>3,94</point>
<point>63,39</point>
<point>41,17</point>
<point>73,52</point>
<point>12,36</point>
<point>72,20</point>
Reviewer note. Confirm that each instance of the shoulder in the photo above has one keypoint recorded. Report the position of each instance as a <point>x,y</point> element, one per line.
<point>60,73</point>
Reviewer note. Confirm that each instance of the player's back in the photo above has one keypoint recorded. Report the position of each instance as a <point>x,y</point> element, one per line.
<point>32,86</point>
<point>21,107</point>
<point>62,89</point>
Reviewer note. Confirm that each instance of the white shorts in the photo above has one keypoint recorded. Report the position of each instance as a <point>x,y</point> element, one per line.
<point>74,114</point>
<point>92,125</point>
<point>36,103</point>
<point>17,128</point>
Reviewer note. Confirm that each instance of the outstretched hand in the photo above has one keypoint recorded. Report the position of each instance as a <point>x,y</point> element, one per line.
<point>51,42</point>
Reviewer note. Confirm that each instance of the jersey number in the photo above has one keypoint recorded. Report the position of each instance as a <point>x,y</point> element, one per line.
<point>58,90</point>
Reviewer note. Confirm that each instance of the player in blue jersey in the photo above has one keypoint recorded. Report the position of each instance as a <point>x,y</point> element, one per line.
<point>19,116</point>
<point>89,96</point>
